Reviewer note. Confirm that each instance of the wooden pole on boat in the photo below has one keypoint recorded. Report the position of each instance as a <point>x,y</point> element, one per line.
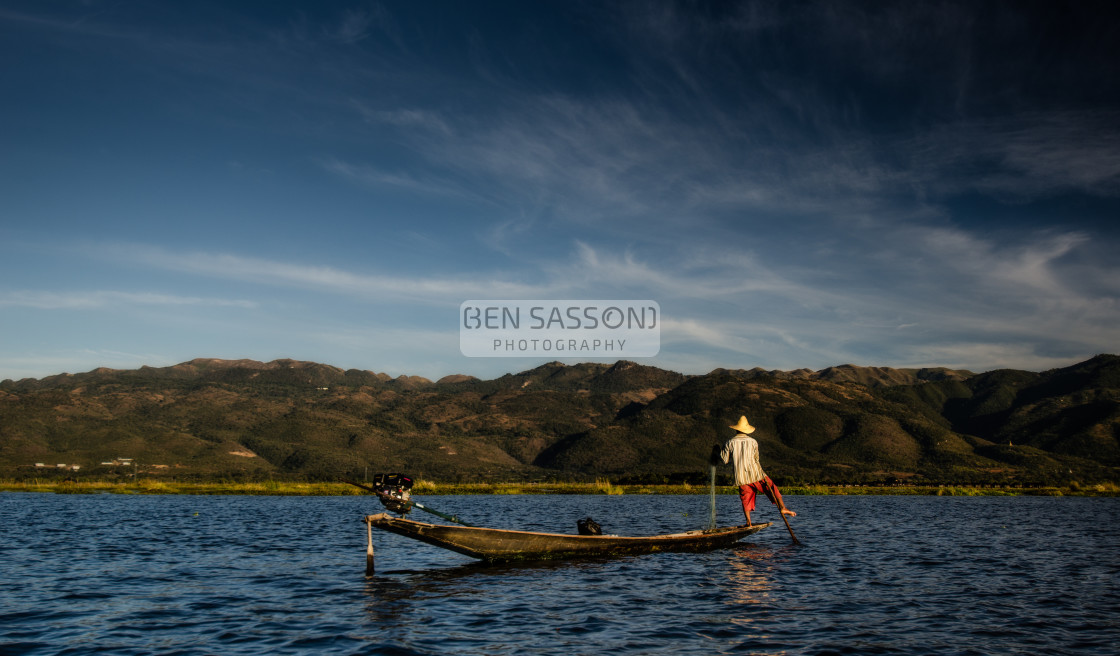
<point>712,499</point>
<point>775,495</point>
<point>369,547</point>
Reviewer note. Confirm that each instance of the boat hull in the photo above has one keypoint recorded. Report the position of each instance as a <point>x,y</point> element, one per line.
<point>499,545</point>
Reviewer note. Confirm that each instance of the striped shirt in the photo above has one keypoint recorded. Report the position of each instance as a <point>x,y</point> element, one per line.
<point>744,450</point>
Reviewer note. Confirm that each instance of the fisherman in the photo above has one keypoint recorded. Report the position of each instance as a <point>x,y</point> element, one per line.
<point>742,449</point>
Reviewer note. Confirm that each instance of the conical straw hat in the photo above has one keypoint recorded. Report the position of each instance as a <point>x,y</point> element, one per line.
<point>743,426</point>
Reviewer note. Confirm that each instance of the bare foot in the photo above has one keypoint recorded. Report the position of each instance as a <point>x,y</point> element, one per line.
<point>787,511</point>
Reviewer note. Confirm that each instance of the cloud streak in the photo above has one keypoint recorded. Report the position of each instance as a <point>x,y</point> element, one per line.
<point>100,299</point>
<point>952,290</point>
<point>322,278</point>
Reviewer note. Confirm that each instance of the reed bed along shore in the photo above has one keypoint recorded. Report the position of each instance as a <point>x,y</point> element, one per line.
<point>290,488</point>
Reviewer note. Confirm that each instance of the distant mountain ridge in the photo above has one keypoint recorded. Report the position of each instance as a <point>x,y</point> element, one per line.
<point>244,418</point>
<point>850,373</point>
<point>553,372</point>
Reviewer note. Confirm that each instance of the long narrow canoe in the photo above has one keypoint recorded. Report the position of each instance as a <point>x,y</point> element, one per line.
<point>496,545</point>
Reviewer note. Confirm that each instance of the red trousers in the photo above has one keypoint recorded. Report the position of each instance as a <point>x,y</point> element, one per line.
<point>748,492</point>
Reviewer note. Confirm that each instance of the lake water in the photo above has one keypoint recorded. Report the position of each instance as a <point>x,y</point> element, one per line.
<point>124,574</point>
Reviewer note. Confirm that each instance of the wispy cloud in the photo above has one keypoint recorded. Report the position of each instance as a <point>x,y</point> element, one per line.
<point>628,167</point>
<point>677,145</point>
<point>700,271</point>
<point>376,178</point>
<point>1021,156</point>
<point>354,26</point>
<point>948,283</point>
<point>404,118</point>
<point>325,278</point>
<point>941,290</point>
<point>51,300</point>
<point>35,364</point>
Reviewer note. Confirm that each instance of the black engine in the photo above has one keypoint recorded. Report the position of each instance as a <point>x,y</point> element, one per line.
<point>393,491</point>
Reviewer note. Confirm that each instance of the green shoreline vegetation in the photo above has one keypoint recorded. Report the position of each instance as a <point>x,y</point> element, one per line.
<point>422,487</point>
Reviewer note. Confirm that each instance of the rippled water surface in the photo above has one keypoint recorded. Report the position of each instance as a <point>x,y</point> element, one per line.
<point>127,574</point>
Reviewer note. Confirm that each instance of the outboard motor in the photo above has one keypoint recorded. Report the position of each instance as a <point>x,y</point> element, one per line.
<point>393,492</point>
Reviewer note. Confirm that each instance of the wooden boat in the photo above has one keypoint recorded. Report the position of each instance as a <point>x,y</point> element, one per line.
<point>499,545</point>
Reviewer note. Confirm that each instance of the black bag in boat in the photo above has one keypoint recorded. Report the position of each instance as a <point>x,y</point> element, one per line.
<point>588,526</point>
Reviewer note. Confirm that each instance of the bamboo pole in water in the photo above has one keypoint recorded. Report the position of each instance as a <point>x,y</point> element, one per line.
<point>712,501</point>
<point>369,547</point>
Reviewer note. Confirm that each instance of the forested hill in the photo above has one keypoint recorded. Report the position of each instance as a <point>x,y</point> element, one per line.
<point>240,419</point>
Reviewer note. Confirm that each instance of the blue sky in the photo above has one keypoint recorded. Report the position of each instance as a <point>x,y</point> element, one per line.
<point>796,184</point>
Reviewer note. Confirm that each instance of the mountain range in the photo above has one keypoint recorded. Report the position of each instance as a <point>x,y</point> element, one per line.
<point>243,419</point>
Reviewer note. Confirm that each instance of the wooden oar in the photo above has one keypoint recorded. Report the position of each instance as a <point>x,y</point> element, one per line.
<point>774,494</point>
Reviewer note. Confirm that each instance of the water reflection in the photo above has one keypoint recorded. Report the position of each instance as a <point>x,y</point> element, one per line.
<point>479,604</point>
<point>392,590</point>
<point>746,582</point>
